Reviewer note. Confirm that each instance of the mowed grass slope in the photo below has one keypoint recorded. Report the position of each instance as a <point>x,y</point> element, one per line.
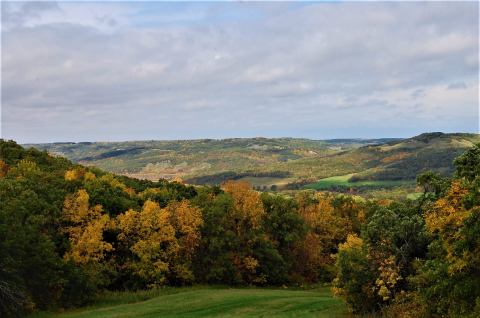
<point>222,302</point>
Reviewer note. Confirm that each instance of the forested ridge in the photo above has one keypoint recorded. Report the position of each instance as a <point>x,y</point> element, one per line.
<point>68,232</point>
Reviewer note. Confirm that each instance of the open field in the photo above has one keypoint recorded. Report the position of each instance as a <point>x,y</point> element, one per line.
<point>267,181</point>
<point>343,181</point>
<point>218,302</point>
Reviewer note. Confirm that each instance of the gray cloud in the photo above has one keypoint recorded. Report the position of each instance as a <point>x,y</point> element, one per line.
<point>124,71</point>
<point>15,14</point>
<point>458,85</point>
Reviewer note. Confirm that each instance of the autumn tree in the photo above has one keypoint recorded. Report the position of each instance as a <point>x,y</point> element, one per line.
<point>3,169</point>
<point>248,207</point>
<point>450,279</point>
<point>85,227</point>
<point>246,215</point>
<point>234,248</point>
<point>150,237</point>
<point>354,281</point>
<point>329,221</point>
<point>419,257</point>
<point>186,220</point>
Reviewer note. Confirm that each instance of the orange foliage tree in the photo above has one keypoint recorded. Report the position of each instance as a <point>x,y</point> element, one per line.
<point>3,168</point>
<point>329,224</point>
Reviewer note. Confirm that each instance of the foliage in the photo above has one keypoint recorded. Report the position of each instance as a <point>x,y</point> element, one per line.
<point>450,278</point>
<point>68,232</point>
<point>31,199</point>
<point>355,279</point>
<point>419,257</point>
<point>150,237</point>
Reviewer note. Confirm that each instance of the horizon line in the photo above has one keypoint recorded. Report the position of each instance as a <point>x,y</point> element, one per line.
<point>234,138</point>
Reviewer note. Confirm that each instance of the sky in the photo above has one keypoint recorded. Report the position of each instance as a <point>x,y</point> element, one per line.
<point>109,71</point>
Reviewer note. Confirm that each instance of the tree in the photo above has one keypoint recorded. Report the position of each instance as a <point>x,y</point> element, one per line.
<point>31,240</point>
<point>85,227</point>
<point>3,169</point>
<point>246,202</point>
<point>285,229</point>
<point>354,281</point>
<point>450,279</point>
<point>468,164</point>
<point>150,237</point>
<point>329,221</point>
<point>187,221</point>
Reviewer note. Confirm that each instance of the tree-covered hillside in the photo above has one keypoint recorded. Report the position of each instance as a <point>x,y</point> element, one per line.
<point>69,232</point>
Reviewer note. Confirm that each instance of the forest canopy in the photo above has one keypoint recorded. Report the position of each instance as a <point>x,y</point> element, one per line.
<point>68,232</point>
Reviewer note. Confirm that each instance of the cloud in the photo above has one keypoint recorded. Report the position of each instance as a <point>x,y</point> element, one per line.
<point>16,14</point>
<point>113,71</point>
<point>458,85</point>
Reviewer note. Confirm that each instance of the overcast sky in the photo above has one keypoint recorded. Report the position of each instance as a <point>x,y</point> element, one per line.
<point>131,71</point>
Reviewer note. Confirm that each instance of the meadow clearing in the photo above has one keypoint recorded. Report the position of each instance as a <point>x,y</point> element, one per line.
<point>207,301</point>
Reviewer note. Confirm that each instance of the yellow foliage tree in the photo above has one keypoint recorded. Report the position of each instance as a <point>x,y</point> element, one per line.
<point>73,174</point>
<point>151,238</point>
<point>89,176</point>
<point>389,275</point>
<point>353,244</point>
<point>78,173</point>
<point>247,202</point>
<point>446,218</point>
<point>85,229</point>
<point>187,221</point>
<point>114,182</point>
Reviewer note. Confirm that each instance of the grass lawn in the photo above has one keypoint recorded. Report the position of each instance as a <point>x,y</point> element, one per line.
<point>342,181</point>
<point>219,302</point>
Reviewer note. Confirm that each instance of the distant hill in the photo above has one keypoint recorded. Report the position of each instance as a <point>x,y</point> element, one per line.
<point>279,162</point>
<point>400,160</point>
<point>198,158</point>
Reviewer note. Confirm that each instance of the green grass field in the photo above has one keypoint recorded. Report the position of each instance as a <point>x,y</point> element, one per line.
<point>342,181</point>
<point>214,302</point>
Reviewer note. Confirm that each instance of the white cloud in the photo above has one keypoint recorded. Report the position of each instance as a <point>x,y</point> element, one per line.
<point>90,71</point>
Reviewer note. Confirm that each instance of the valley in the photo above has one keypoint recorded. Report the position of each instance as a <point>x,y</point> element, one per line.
<point>361,166</point>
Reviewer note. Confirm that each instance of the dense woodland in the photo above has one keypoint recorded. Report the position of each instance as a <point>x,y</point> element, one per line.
<point>68,232</point>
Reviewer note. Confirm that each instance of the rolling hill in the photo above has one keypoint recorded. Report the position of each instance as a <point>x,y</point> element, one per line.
<point>286,163</point>
<point>198,158</point>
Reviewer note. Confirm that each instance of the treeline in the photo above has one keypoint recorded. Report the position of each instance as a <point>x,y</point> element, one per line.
<point>68,232</point>
<point>218,178</point>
